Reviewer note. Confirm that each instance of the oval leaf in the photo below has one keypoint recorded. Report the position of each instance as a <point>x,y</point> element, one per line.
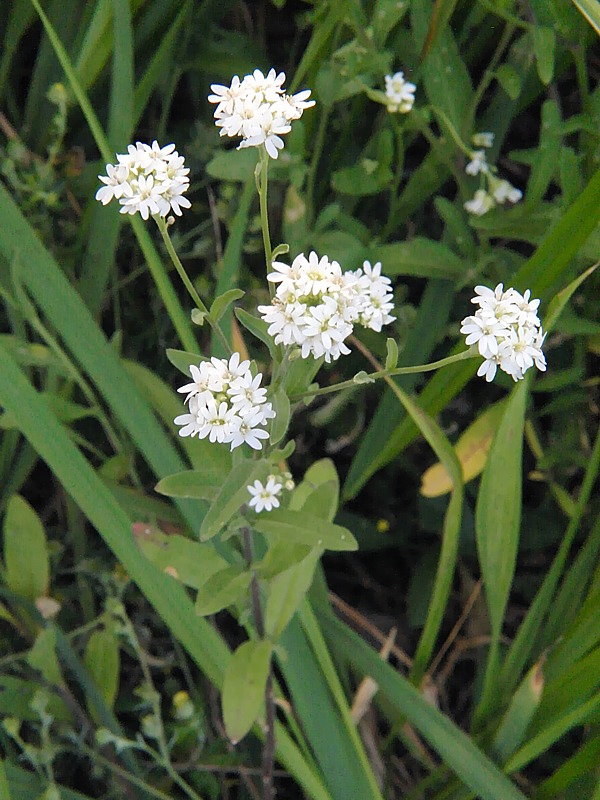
<point>244,687</point>
<point>286,592</point>
<point>298,526</point>
<point>191,563</point>
<point>232,496</point>
<point>183,360</point>
<point>199,485</point>
<point>25,550</point>
<point>102,660</point>
<point>221,590</point>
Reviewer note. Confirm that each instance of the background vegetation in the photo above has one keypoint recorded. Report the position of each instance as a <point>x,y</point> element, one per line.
<point>109,682</point>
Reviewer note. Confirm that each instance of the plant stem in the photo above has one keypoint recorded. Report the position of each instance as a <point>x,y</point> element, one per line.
<point>162,227</point>
<point>386,373</point>
<point>268,763</point>
<point>264,210</point>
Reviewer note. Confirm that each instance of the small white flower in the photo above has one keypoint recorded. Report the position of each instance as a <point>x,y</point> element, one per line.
<point>477,164</point>
<point>503,191</point>
<point>400,93</point>
<point>264,498</point>
<point>115,183</point>
<point>480,204</point>
<point>483,139</point>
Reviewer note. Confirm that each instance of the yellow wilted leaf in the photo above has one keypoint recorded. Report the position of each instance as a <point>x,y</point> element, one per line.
<point>471,450</point>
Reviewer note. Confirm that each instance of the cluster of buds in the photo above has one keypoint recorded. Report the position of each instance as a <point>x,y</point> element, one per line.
<point>495,191</point>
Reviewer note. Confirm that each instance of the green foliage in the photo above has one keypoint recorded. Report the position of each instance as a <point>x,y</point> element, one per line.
<point>104,580</point>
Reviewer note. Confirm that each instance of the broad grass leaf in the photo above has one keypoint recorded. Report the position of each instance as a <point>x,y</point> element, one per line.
<point>304,528</point>
<point>102,659</point>
<point>191,563</point>
<point>498,510</point>
<point>516,720</point>
<point>25,551</point>
<point>471,450</point>
<point>591,11</point>
<point>244,687</point>
<point>232,496</point>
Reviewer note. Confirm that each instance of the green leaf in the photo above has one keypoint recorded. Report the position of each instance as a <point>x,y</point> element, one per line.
<point>319,490</point>
<point>367,177</point>
<point>391,354</point>
<point>559,301</point>
<point>183,361</point>
<point>515,722</point>
<point>280,557</point>
<point>591,11</point>
<point>197,484</point>
<point>298,526</point>
<point>456,749</point>
<point>191,563</point>
<point>421,258</point>
<point>42,656</point>
<point>232,496</point>
<point>25,551</point>
<point>286,592</point>
<point>547,155</point>
<point>498,510</point>
<point>102,660</point>
<point>281,406</point>
<point>510,80</point>
<point>244,687</point>
<point>544,45</point>
<point>222,589</point>
<point>233,165</point>
<point>258,328</point>
<point>222,303</point>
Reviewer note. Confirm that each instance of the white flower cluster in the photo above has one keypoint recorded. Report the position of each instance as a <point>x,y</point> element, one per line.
<point>148,179</point>
<point>507,332</point>
<point>258,109</point>
<point>400,93</point>
<point>497,191</point>
<point>226,404</point>
<point>316,304</point>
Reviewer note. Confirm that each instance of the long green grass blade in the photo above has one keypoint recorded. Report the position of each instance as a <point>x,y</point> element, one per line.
<point>457,750</point>
<point>101,238</point>
<point>178,317</point>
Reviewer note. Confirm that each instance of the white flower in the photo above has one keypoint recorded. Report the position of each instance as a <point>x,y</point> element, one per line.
<point>316,304</point>
<point>400,93</point>
<point>503,191</point>
<point>148,179</point>
<point>483,139</point>
<point>480,204</point>
<point>257,109</point>
<point>226,403</point>
<point>264,498</point>
<point>507,332</point>
<point>477,164</point>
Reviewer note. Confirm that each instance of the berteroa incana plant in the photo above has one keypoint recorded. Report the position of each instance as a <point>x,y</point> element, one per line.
<point>315,305</point>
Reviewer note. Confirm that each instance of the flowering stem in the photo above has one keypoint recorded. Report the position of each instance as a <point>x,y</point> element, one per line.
<point>264,211</point>
<point>387,373</point>
<point>162,227</point>
<point>259,623</point>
